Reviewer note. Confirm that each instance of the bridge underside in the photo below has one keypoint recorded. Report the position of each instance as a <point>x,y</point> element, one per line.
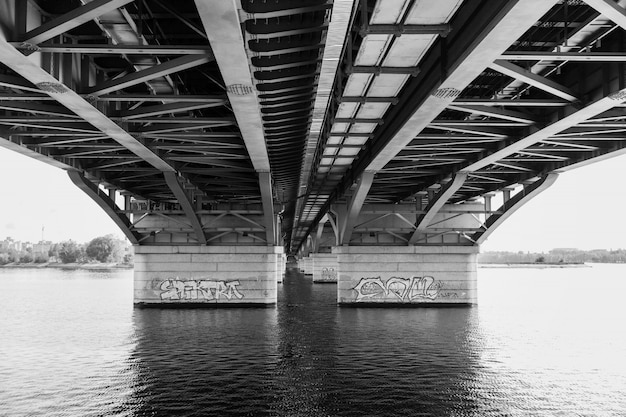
<point>316,126</point>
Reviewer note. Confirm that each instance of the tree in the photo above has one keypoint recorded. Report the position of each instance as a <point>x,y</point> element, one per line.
<point>70,251</point>
<point>26,258</point>
<point>105,249</point>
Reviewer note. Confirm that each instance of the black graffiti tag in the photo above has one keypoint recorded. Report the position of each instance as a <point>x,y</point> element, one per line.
<point>405,289</point>
<point>177,289</point>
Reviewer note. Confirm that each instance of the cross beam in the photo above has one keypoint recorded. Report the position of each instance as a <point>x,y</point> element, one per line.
<point>28,69</point>
<point>436,204</point>
<point>171,178</point>
<point>72,19</point>
<point>558,126</point>
<point>166,68</point>
<point>530,78</point>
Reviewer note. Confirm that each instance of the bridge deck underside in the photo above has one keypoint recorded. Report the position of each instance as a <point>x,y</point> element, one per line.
<point>148,69</point>
<point>528,112</point>
<point>456,98</point>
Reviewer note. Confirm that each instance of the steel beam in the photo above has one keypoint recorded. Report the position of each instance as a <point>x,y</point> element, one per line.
<point>118,49</point>
<point>558,126</point>
<point>532,79</point>
<point>611,10</point>
<point>363,99</point>
<point>169,108</point>
<point>398,30</point>
<point>108,205</point>
<point>223,27</point>
<point>171,178</point>
<point>164,98</point>
<point>436,204</point>
<point>511,103</point>
<point>363,186</point>
<point>17,83</point>
<point>488,111</point>
<point>62,163</point>
<point>174,65</point>
<point>265,185</point>
<point>511,23</point>
<point>319,233</point>
<point>28,69</point>
<point>71,20</point>
<point>37,108</point>
<point>512,205</point>
<point>565,56</point>
<point>338,28</point>
<point>364,69</point>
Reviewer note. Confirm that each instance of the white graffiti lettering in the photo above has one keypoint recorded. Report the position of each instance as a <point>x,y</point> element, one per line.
<point>405,289</point>
<point>177,289</point>
<point>329,274</point>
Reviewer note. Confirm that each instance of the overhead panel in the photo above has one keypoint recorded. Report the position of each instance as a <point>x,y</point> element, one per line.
<point>378,52</point>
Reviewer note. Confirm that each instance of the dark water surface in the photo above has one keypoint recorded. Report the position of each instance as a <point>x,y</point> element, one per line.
<point>548,342</point>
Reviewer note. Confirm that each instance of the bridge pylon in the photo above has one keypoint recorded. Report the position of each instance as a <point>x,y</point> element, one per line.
<point>419,253</point>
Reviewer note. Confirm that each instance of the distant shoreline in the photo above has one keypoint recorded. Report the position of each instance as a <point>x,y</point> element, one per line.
<point>68,266</point>
<point>536,265</point>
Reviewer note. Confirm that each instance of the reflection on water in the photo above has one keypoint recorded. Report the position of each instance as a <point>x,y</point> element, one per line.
<point>541,342</point>
<point>202,361</point>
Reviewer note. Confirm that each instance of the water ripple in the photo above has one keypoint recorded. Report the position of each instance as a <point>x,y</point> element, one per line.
<point>73,346</point>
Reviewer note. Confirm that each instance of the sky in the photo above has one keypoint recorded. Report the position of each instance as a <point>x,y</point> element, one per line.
<point>583,209</point>
<point>34,195</point>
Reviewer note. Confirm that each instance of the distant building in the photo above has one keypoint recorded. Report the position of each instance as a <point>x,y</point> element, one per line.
<point>564,250</point>
<point>10,244</point>
<point>43,247</point>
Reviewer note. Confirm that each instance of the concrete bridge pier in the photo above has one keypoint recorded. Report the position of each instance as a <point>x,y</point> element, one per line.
<point>185,275</point>
<point>406,275</point>
<point>324,267</point>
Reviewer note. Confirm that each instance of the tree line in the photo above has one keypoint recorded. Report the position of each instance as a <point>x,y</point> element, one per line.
<point>570,256</point>
<point>106,249</point>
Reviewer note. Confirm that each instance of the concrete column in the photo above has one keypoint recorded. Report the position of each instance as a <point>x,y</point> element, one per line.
<point>178,275</point>
<point>308,265</point>
<point>281,265</point>
<point>412,275</point>
<point>325,267</point>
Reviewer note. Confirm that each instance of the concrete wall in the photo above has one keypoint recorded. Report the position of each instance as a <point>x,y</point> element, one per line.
<point>407,275</point>
<point>324,267</point>
<point>212,275</point>
<point>307,265</point>
<point>281,266</point>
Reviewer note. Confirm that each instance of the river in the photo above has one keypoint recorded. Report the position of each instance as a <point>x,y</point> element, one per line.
<point>541,342</point>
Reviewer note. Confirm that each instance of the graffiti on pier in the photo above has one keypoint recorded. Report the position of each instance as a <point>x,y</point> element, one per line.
<point>329,274</point>
<point>177,289</point>
<point>405,289</point>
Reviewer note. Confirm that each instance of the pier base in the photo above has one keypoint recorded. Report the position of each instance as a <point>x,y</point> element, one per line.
<point>169,276</point>
<point>407,275</point>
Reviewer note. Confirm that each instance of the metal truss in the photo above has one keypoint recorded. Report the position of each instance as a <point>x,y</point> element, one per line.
<point>499,108</point>
<point>313,111</point>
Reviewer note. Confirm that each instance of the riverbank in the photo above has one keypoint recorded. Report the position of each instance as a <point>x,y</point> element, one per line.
<point>75,265</point>
<point>536,265</point>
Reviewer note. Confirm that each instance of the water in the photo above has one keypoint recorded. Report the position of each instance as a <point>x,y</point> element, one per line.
<point>547,342</point>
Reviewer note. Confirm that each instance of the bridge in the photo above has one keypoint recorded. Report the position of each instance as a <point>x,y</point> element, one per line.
<point>379,142</point>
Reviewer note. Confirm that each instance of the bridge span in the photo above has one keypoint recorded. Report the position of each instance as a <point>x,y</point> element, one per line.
<point>379,142</point>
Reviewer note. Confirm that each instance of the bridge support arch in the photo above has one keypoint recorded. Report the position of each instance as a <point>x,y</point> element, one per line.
<point>417,254</point>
